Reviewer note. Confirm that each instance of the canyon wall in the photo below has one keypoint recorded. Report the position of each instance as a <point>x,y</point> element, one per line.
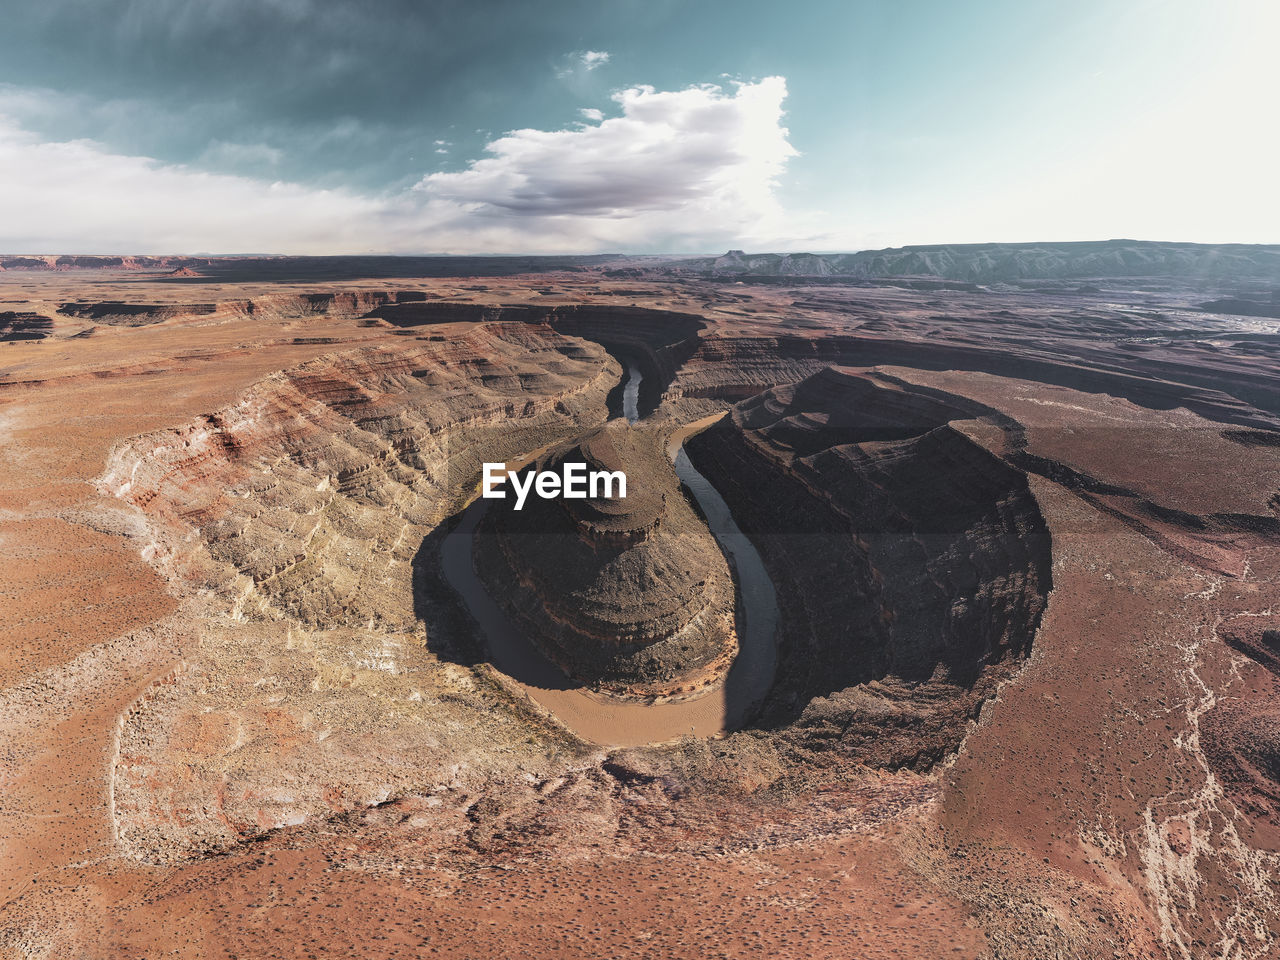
<point>627,594</point>
<point>911,564</point>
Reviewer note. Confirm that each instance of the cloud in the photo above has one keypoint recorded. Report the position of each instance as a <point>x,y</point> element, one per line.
<point>692,169</point>
<point>74,196</point>
<point>581,62</point>
<point>674,167</point>
<point>591,113</point>
<point>222,154</point>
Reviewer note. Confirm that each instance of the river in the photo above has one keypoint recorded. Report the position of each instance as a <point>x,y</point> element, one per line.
<point>606,720</point>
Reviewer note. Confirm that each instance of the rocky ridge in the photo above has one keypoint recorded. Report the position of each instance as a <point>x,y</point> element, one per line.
<point>1002,262</point>
<point>631,594</point>
<point>912,565</point>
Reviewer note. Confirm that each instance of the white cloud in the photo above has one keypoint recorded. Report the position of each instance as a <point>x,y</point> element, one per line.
<point>581,62</point>
<point>591,113</point>
<point>692,169</point>
<point>676,169</point>
<point>74,196</point>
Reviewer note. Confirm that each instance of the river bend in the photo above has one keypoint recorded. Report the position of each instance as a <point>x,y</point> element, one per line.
<point>607,720</point>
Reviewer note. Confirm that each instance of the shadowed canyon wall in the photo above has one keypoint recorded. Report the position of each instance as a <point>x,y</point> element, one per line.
<point>911,564</point>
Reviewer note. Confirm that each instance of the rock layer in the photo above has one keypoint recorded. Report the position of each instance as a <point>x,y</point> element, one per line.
<point>318,486</point>
<point>911,564</point>
<point>631,594</point>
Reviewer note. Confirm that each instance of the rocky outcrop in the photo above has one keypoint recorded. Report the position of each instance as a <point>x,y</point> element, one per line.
<point>118,313</point>
<point>630,595</point>
<point>1245,308</point>
<point>733,368</point>
<point>269,268</point>
<point>15,325</point>
<point>314,491</point>
<point>299,306</point>
<point>911,565</point>
<point>659,341</point>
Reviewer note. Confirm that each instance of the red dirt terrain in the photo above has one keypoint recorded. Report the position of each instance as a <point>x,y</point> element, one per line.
<point>1024,538</point>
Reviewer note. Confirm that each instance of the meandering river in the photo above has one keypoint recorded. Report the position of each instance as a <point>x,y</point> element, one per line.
<point>607,720</point>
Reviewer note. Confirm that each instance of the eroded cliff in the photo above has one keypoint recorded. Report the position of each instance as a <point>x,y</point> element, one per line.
<point>629,594</point>
<point>912,565</point>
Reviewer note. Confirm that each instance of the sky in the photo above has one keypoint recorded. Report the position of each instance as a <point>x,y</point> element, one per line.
<point>643,126</point>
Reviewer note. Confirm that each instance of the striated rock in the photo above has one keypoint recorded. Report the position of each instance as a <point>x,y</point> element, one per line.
<point>15,325</point>
<point>659,341</point>
<point>317,487</point>
<point>308,512</point>
<point>631,594</point>
<point>115,312</point>
<point>742,366</point>
<point>911,564</point>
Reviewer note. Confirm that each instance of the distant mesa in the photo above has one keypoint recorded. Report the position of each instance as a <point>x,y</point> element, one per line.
<point>1245,308</point>
<point>23,325</point>
<point>261,268</point>
<point>988,262</point>
<point>967,263</point>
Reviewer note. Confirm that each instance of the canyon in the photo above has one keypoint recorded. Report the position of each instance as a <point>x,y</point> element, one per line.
<point>938,617</point>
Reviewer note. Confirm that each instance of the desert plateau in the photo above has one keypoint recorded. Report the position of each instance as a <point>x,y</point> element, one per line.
<point>939,619</point>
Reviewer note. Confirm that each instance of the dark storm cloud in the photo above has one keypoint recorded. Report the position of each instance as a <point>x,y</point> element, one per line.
<point>373,58</point>
<point>360,88</point>
<point>309,126</point>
